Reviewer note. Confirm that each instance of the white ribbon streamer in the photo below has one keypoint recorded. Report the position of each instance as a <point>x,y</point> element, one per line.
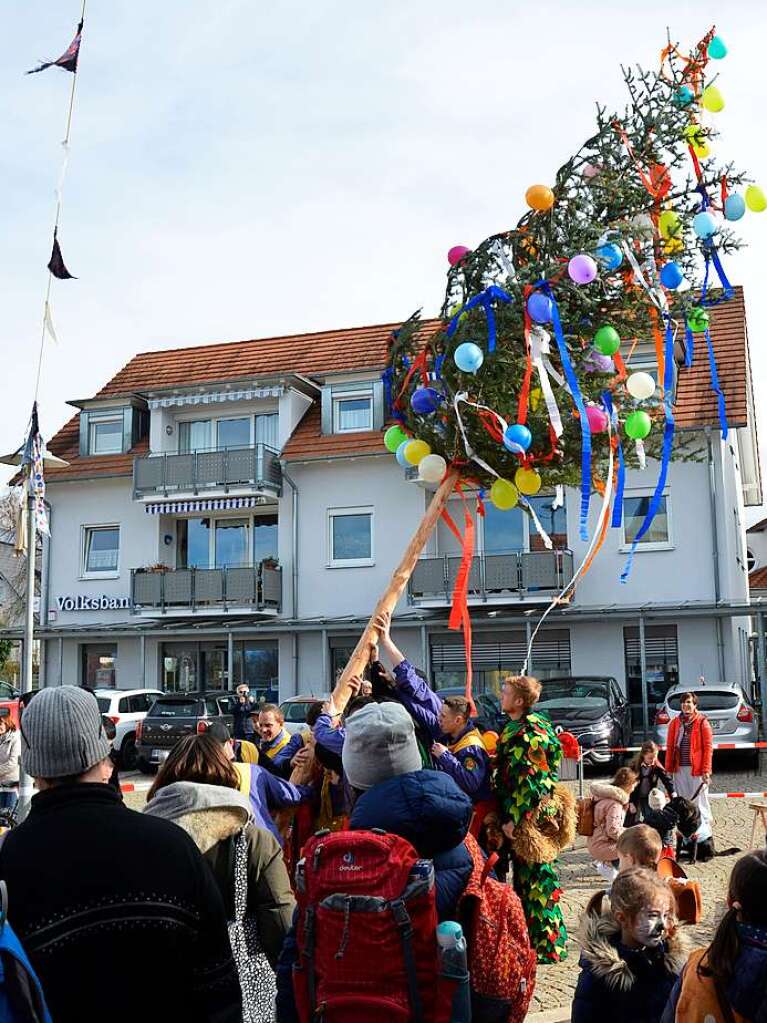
<point>537,523</point>
<point>539,347</point>
<point>498,250</point>
<point>641,454</point>
<point>462,396</point>
<point>559,497</point>
<point>48,322</point>
<point>656,296</point>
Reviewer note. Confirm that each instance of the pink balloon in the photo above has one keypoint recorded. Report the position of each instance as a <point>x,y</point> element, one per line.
<point>590,170</point>
<point>457,253</point>
<point>597,418</point>
<point>582,269</point>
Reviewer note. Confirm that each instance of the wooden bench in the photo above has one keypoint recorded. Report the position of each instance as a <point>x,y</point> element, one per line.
<point>760,816</point>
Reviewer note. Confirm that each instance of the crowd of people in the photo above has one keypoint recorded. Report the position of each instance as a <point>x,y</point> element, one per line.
<point>222,893</point>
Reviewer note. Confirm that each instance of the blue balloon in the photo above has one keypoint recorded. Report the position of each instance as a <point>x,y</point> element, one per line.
<point>704,225</point>
<point>684,96</point>
<point>468,357</point>
<point>425,400</point>
<point>734,207</point>
<point>671,276</point>
<point>610,256</point>
<point>400,454</point>
<point>517,438</point>
<point>717,48</point>
<point>540,308</point>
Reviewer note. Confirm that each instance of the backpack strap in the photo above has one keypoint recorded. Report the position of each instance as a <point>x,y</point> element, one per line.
<point>240,875</point>
<point>403,922</point>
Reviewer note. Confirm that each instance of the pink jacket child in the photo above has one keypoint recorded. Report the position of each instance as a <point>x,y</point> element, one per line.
<point>610,804</point>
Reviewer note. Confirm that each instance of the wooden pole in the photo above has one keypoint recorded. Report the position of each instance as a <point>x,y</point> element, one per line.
<point>361,655</point>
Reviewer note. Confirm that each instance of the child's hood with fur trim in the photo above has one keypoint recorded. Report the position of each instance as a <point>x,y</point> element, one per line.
<point>599,936</point>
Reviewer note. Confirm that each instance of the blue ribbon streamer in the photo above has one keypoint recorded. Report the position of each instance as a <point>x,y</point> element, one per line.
<point>689,347</point>
<point>715,386</point>
<point>575,391</point>
<point>484,299</point>
<point>617,516</point>
<point>438,366</point>
<point>712,256</point>
<point>668,442</point>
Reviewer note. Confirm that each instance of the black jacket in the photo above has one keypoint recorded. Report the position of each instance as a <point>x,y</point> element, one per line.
<point>91,884</point>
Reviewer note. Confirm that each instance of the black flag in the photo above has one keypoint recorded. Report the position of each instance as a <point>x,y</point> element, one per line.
<point>56,263</point>
<point>68,60</point>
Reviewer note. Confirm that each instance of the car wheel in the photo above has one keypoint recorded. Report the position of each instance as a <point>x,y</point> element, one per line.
<point>128,753</point>
<point>145,767</point>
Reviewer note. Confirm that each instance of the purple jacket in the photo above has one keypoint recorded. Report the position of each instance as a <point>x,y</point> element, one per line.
<point>280,763</point>
<point>268,792</point>
<point>468,767</point>
<point>328,736</point>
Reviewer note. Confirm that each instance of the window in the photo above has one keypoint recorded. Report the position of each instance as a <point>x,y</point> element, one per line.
<point>350,537</point>
<point>194,436</point>
<point>99,665</point>
<point>661,663</point>
<point>101,550</point>
<point>106,434</point>
<point>256,663</point>
<point>226,542</point>
<point>139,704</point>
<point>234,433</point>
<point>267,430</point>
<point>352,413</point>
<point>635,508</point>
<point>503,531</point>
<point>232,543</point>
<point>751,560</point>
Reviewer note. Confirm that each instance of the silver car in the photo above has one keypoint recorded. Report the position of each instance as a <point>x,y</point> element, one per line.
<point>729,713</point>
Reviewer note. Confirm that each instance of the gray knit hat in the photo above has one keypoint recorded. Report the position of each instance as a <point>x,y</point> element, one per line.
<point>380,743</point>
<point>62,733</point>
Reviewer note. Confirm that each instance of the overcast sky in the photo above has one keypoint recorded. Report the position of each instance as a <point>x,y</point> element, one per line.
<point>243,170</point>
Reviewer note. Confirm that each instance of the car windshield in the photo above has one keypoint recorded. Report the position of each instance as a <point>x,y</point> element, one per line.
<point>710,700</point>
<point>296,712</point>
<point>563,694</point>
<point>174,708</point>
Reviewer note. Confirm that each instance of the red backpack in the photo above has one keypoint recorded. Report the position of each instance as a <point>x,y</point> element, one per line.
<point>502,963</point>
<point>367,932</point>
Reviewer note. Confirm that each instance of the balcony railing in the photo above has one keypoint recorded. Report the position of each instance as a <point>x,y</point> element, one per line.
<point>218,469</point>
<point>257,586</point>
<point>492,576</point>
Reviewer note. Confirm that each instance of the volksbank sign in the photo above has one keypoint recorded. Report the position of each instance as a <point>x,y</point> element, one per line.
<point>102,603</point>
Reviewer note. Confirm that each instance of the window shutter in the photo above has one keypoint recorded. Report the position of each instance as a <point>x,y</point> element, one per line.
<point>327,410</point>
<point>379,413</point>
<point>84,434</point>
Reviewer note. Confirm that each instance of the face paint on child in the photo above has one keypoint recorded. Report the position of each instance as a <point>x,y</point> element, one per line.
<point>650,925</point>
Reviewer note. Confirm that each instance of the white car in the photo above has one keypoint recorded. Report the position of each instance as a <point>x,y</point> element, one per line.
<point>126,707</point>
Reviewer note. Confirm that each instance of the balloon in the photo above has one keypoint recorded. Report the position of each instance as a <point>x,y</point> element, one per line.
<point>610,256</point>
<point>590,170</point>
<point>671,276</point>
<point>539,197</point>
<point>684,96</point>
<point>697,319</point>
<point>393,437</point>
<point>607,340</point>
<point>672,246</point>
<point>432,468</point>
<point>704,225</point>
<point>456,254</point>
<point>401,454</point>
<point>640,386</point>
<point>598,363</point>
<point>582,269</point>
<point>755,199</point>
<point>503,494</point>
<point>540,308</point>
<point>517,438</point>
<point>468,357</point>
<point>734,207</point>
<point>415,451</point>
<point>703,150</point>
<point>454,310</point>
<point>712,99</point>
<point>527,481</point>
<point>490,742</point>
<point>597,418</point>
<point>669,224</point>
<point>425,400</point>
<point>638,425</point>
<point>716,48</point>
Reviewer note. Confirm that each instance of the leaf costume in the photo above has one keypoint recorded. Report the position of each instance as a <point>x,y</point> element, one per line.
<point>527,763</point>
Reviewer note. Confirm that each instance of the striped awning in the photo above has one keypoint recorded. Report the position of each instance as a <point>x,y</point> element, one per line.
<point>203,505</point>
<point>215,397</point>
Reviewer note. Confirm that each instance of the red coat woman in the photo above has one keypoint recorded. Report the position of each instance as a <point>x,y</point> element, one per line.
<point>688,758</point>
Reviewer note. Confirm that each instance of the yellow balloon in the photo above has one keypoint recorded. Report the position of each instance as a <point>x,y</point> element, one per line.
<point>695,135</point>
<point>672,246</point>
<point>503,494</point>
<point>527,481</point>
<point>415,451</point>
<point>712,99</point>
<point>702,152</point>
<point>669,224</point>
<point>454,309</point>
<point>539,197</point>
<point>756,199</point>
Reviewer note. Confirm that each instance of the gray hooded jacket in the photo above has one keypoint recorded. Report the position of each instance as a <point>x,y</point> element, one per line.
<point>214,816</point>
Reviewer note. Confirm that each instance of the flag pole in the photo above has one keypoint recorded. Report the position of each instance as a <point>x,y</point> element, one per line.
<point>26,789</point>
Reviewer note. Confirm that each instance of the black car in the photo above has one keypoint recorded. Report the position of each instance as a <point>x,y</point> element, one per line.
<point>173,716</point>
<point>594,709</point>
<point>490,717</point>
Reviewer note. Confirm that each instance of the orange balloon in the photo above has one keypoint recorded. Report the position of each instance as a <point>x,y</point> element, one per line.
<point>539,197</point>
<point>490,742</point>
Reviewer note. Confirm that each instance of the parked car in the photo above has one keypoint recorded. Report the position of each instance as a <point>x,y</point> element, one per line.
<point>594,709</point>
<point>726,706</point>
<point>490,717</point>
<point>174,715</point>
<point>125,708</point>
<point>295,708</point>
<point>9,701</point>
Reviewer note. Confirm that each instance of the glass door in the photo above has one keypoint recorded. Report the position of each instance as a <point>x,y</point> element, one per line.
<point>234,433</point>
<point>194,436</point>
<point>264,538</point>
<point>232,543</point>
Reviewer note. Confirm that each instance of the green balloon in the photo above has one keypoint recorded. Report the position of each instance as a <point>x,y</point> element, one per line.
<point>393,437</point>
<point>697,319</point>
<point>607,340</point>
<point>638,425</point>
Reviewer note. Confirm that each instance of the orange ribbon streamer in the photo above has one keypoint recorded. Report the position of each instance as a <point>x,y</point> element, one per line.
<point>524,392</point>
<point>459,611</point>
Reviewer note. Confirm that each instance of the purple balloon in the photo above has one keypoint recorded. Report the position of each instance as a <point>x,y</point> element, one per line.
<point>582,269</point>
<point>598,363</point>
<point>539,307</point>
<point>425,400</point>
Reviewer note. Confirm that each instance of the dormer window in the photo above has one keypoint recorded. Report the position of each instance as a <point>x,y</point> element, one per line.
<point>353,406</point>
<point>106,434</point>
<point>112,431</point>
<point>352,412</point>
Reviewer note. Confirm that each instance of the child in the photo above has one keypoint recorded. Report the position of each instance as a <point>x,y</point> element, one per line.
<point>727,981</point>
<point>650,774</point>
<point>639,846</point>
<point>630,956</point>
<point>610,803</point>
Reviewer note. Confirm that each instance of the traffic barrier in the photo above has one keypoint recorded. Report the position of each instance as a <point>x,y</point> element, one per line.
<point>717,746</point>
<point>127,786</point>
<point>737,795</point>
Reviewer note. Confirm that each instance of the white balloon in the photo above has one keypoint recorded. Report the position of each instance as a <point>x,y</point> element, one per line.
<point>640,386</point>
<point>432,468</point>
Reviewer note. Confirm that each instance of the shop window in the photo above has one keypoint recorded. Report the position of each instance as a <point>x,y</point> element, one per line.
<point>661,663</point>
<point>99,665</point>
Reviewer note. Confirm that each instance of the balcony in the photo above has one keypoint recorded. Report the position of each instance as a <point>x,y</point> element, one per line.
<point>493,578</point>
<point>215,470</point>
<point>208,590</point>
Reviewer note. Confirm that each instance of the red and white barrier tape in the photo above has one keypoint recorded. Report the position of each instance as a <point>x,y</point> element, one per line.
<point>737,795</point>
<point>717,745</point>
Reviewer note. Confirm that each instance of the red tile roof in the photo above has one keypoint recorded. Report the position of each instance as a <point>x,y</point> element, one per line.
<point>757,580</point>
<point>365,348</point>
